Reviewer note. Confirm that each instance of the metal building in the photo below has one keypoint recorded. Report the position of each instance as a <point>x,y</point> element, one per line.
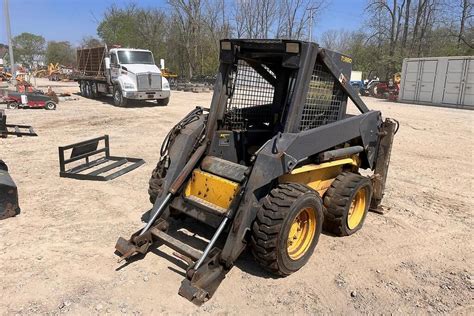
<point>446,81</point>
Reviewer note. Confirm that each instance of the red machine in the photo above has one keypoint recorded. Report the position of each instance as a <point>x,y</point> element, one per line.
<point>17,100</point>
<point>387,90</point>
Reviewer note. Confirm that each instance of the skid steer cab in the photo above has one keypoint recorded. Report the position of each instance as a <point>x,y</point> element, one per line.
<point>273,162</point>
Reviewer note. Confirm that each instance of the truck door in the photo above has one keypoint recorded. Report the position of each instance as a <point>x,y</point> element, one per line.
<point>114,67</point>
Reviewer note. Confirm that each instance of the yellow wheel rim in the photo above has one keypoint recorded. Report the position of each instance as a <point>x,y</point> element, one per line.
<point>302,231</point>
<point>357,209</point>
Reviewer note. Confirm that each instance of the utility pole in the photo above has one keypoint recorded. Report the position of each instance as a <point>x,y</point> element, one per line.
<point>9,37</point>
<point>311,14</point>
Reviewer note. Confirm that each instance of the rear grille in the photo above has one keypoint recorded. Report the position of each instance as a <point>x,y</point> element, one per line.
<point>148,81</point>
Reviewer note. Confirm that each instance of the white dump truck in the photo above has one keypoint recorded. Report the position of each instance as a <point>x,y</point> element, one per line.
<point>125,73</point>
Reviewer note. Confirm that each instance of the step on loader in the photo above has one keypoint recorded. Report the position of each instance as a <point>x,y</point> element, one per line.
<point>273,162</point>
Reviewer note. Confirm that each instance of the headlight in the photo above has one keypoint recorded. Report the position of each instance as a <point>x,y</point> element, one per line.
<point>128,85</point>
<point>166,85</point>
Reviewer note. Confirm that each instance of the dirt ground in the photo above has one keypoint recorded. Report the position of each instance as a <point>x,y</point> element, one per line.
<point>58,255</point>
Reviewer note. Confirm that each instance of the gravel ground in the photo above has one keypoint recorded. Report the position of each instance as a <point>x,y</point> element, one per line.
<point>58,255</point>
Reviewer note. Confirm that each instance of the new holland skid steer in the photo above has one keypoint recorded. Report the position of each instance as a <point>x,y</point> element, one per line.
<point>273,162</point>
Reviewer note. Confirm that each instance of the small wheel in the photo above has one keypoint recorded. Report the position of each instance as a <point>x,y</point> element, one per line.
<point>50,105</point>
<point>163,102</point>
<point>346,203</point>
<point>12,105</point>
<point>119,100</point>
<point>287,228</point>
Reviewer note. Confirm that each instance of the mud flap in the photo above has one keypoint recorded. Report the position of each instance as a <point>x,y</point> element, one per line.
<point>200,285</point>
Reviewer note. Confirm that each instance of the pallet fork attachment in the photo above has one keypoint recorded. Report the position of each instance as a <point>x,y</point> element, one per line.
<point>90,148</point>
<point>14,129</point>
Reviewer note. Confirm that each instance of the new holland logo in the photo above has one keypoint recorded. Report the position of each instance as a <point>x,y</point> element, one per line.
<point>149,79</point>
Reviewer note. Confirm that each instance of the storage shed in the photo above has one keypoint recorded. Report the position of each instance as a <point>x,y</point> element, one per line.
<point>446,81</point>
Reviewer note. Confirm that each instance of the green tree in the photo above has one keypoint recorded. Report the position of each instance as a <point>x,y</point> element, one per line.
<point>90,42</point>
<point>29,48</point>
<point>60,52</point>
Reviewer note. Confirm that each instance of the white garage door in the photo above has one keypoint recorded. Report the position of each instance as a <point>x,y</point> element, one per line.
<point>410,82</point>
<point>427,80</point>
<point>452,85</point>
<point>469,84</point>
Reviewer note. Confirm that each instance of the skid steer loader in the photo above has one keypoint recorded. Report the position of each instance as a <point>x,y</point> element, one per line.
<point>273,162</point>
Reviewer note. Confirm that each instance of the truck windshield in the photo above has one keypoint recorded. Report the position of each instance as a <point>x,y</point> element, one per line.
<point>135,57</point>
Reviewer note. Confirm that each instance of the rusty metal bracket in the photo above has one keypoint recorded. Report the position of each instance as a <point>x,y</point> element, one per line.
<point>200,285</point>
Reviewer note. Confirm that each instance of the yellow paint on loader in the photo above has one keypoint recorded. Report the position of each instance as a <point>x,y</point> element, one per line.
<point>319,176</point>
<point>208,188</point>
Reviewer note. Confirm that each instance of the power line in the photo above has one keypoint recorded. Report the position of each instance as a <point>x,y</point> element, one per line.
<point>311,14</point>
<point>9,38</point>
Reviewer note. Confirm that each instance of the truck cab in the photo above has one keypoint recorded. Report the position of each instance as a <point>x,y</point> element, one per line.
<point>134,75</point>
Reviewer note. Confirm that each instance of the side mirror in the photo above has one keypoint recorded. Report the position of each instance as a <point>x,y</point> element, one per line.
<point>107,62</point>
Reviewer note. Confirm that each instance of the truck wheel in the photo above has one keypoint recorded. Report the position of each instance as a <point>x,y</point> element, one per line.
<point>87,89</point>
<point>94,90</point>
<point>163,102</point>
<point>50,105</point>
<point>81,88</point>
<point>287,228</point>
<point>346,203</point>
<point>119,100</point>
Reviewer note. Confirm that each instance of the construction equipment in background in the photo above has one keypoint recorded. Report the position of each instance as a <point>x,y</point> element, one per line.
<point>14,129</point>
<point>8,194</point>
<point>101,168</point>
<point>273,161</point>
<point>367,86</point>
<point>16,100</point>
<point>172,77</point>
<point>5,76</point>
<point>387,89</point>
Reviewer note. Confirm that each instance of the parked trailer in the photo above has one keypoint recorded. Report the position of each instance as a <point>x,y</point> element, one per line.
<point>445,81</point>
<point>125,73</point>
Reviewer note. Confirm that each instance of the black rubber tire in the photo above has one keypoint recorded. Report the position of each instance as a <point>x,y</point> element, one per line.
<point>81,88</point>
<point>94,90</point>
<point>87,89</point>
<point>271,227</point>
<point>155,185</point>
<point>12,105</point>
<point>119,100</point>
<point>163,102</point>
<point>338,199</point>
<point>50,105</point>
